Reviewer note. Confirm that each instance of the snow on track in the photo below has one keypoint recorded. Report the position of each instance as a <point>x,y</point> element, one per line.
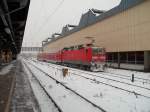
<point>136,87</point>
<point>124,85</point>
<point>128,73</point>
<point>109,98</point>
<point>45,104</point>
<point>67,100</point>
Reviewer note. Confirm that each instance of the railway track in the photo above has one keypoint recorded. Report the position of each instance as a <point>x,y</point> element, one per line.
<point>94,78</point>
<point>99,75</point>
<point>52,100</point>
<point>121,76</point>
<point>112,86</point>
<point>143,80</point>
<point>66,87</point>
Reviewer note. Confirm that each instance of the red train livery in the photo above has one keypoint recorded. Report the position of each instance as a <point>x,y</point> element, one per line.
<point>88,57</point>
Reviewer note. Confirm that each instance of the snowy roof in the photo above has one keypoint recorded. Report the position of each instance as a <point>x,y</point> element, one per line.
<point>67,28</point>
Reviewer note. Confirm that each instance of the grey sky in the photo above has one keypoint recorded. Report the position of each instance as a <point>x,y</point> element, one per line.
<point>46,17</point>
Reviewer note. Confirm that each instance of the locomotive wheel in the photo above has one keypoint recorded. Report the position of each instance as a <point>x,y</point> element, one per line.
<point>81,67</point>
<point>87,68</point>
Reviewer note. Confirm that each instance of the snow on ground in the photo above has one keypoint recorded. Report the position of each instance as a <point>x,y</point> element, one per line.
<point>6,69</point>
<point>129,73</point>
<point>139,86</point>
<point>45,104</point>
<point>67,100</point>
<point>109,98</point>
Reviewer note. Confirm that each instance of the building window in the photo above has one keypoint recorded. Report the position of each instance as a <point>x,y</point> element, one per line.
<point>116,57</point>
<point>126,57</point>
<point>123,57</point>
<point>109,57</point>
<point>140,57</point>
<point>131,57</point>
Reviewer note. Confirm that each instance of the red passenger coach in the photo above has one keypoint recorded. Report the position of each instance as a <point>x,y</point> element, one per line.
<point>88,57</point>
<point>54,57</point>
<point>50,57</point>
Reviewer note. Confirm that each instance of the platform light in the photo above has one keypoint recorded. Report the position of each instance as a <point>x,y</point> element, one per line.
<point>7,30</point>
<point>13,43</point>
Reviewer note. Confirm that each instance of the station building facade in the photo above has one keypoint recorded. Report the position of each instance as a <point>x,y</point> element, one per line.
<point>124,31</point>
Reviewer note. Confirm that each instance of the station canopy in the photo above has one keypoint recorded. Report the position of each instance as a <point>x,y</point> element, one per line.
<point>13,16</point>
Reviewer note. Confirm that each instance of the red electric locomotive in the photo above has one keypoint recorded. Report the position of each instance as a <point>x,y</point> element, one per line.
<point>88,57</point>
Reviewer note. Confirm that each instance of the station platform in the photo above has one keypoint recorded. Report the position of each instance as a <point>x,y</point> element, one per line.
<point>15,91</point>
<point>6,75</point>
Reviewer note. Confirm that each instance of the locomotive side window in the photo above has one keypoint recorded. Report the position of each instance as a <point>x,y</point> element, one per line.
<point>96,50</point>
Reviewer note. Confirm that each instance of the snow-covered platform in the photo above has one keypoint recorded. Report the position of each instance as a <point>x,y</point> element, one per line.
<point>84,91</point>
<point>23,99</point>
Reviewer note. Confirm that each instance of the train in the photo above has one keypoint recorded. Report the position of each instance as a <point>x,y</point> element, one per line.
<point>86,57</point>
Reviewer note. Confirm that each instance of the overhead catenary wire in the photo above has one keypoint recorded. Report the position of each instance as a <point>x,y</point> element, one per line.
<point>49,17</point>
<point>51,13</point>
